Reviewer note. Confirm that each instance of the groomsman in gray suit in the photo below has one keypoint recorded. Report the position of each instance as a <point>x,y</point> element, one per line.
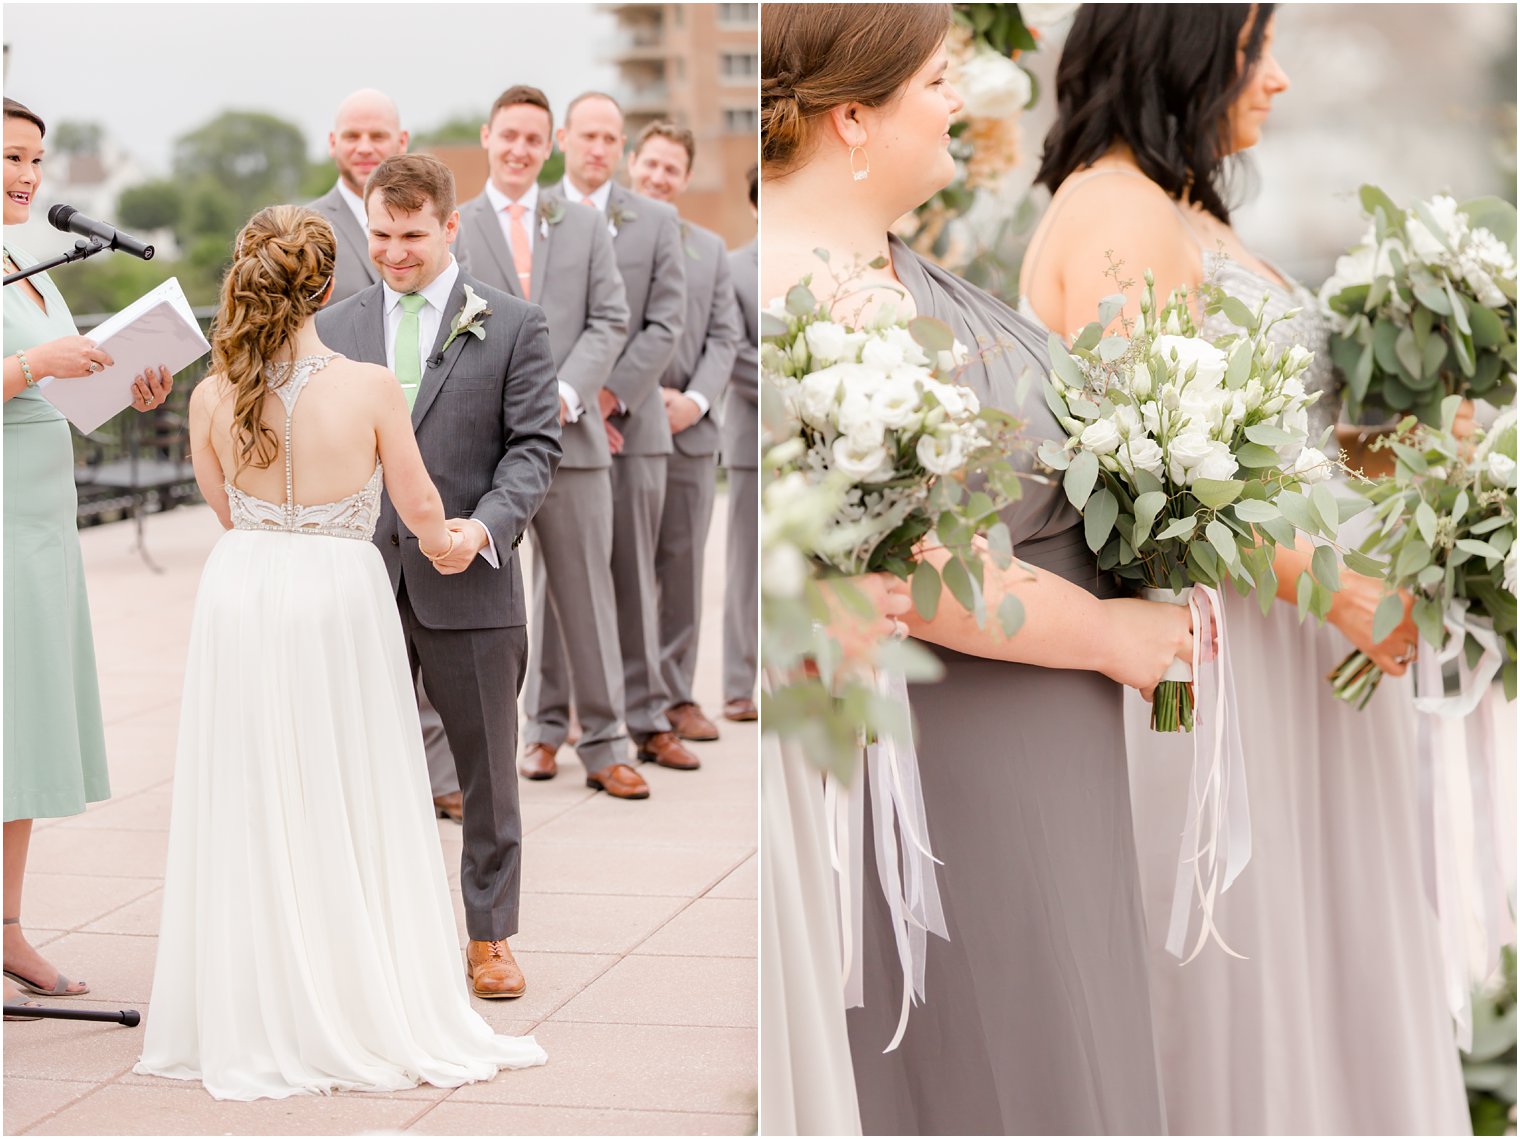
<point>559,255</point>
<point>646,239</point>
<point>741,447</point>
<point>477,367</point>
<point>691,387</point>
<point>366,131</point>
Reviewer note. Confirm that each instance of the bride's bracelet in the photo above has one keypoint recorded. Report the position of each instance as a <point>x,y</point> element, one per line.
<point>453,541</point>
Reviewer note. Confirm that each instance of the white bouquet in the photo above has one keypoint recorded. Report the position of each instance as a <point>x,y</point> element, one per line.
<point>1424,305</point>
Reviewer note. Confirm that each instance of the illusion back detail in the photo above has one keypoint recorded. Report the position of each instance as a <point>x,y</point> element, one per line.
<point>353,516</point>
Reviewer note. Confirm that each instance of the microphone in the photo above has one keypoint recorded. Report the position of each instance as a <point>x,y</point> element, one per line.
<point>70,220</point>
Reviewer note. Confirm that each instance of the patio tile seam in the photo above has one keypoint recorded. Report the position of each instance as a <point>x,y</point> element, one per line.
<point>99,1086</point>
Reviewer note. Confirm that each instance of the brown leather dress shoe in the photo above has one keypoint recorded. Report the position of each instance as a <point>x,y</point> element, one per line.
<point>741,710</point>
<point>493,971</point>
<point>691,723</point>
<point>620,781</point>
<point>450,806</point>
<point>663,748</point>
<point>538,762</point>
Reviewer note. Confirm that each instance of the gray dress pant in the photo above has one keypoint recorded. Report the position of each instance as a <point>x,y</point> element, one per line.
<point>741,590</point>
<point>690,485</point>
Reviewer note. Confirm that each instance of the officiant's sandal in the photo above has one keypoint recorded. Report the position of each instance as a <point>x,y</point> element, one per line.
<point>493,971</point>
<point>60,987</point>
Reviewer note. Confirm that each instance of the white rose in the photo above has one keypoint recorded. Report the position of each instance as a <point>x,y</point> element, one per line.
<point>949,396</point>
<point>1142,453</point>
<point>1203,409</point>
<point>1428,246</point>
<point>1127,420</point>
<point>1187,450</point>
<point>1188,351</point>
<point>857,418</point>
<point>1218,464</point>
<point>992,86</point>
<point>941,456</point>
<point>783,570</point>
<point>1310,465</point>
<point>1101,438</point>
<point>897,402</point>
<point>1501,469</point>
<point>819,392</point>
<point>827,340</point>
<point>880,353</point>
<point>861,459</point>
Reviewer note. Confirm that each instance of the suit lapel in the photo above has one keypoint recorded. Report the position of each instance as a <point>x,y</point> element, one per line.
<point>370,334</point>
<point>541,242</point>
<point>433,377</point>
<point>486,222</point>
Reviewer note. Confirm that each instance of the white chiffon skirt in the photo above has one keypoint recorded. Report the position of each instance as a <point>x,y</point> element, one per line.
<point>308,943</point>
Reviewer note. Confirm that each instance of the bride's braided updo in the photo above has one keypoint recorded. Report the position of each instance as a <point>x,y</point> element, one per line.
<point>816,56</point>
<point>280,275</point>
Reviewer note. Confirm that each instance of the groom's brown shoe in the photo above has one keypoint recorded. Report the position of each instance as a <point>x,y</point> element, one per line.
<point>620,781</point>
<point>492,971</point>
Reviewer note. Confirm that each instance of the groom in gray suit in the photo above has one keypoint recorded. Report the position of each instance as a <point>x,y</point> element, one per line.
<point>478,370</point>
<point>559,255</point>
<point>692,388</point>
<point>366,131</point>
<point>646,238</point>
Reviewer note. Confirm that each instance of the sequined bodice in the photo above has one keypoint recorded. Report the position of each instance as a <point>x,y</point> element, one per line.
<point>1307,328</point>
<point>353,516</point>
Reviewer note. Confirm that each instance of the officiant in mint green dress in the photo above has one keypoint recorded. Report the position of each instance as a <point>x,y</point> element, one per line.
<point>55,760</point>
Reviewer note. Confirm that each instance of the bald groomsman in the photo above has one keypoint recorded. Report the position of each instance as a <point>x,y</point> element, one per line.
<point>741,452</point>
<point>559,256</point>
<point>691,387</point>
<point>646,239</point>
<point>366,131</point>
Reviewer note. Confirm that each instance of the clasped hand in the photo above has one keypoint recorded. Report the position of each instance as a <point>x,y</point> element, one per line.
<point>468,540</point>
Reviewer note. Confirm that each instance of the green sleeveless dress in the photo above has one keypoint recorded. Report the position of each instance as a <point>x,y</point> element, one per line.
<point>55,752</point>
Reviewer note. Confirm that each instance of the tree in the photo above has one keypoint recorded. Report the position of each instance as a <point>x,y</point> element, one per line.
<point>461,130</point>
<point>151,205</point>
<point>74,137</point>
<point>256,159</point>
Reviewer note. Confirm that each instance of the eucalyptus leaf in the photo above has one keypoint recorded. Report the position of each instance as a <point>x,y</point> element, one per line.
<point>933,335</point>
<point>1147,507</point>
<point>1256,456</point>
<point>1223,540</point>
<point>1109,308</point>
<point>1088,338</point>
<point>1110,348</point>
<point>1063,365</point>
<point>1325,506</point>
<point>1425,523</point>
<point>1010,614</point>
<point>1098,518</point>
<point>1364,564</point>
<point>958,582</point>
<point>1413,557</point>
<point>1217,493</point>
<point>1249,510</point>
<point>1296,509</point>
<point>800,301</point>
<point>1178,528</point>
<point>1269,435</point>
<point>1237,312</point>
<point>926,590</point>
<point>1479,549</point>
<point>1081,476</point>
<point>1432,296</point>
<point>1326,568</point>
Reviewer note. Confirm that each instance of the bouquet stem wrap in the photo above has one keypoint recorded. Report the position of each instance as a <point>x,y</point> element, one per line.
<point>904,861</point>
<point>1216,836</point>
<point>1440,828</point>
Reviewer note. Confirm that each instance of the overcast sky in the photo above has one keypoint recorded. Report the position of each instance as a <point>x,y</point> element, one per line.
<point>150,72</point>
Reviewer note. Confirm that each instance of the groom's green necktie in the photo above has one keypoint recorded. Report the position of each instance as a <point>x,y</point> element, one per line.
<point>408,354</point>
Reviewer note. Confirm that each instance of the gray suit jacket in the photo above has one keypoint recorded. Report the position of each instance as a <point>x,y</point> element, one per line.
<point>651,261</point>
<point>576,282</point>
<point>714,329</point>
<point>355,271</point>
<point>741,419</point>
<point>487,423</point>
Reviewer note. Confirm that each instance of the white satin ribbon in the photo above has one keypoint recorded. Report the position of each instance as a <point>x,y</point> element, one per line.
<point>904,862</point>
<point>1439,832</point>
<point>1216,835</point>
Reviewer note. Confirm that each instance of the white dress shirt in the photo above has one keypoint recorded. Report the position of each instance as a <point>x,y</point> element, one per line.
<point>429,321</point>
<point>355,205</point>
<point>499,203</point>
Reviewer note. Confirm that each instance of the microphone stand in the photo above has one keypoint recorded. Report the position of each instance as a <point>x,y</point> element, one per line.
<point>81,250</point>
<point>129,1017</point>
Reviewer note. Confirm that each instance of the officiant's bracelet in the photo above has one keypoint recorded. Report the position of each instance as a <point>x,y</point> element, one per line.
<point>26,370</point>
<point>453,541</point>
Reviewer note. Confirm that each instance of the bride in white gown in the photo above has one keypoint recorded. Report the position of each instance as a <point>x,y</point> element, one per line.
<point>308,943</point>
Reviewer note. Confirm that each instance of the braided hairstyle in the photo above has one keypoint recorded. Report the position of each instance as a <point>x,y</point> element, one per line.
<point>1162,78</point>
<point>814,57</point>
<point>280,275</point>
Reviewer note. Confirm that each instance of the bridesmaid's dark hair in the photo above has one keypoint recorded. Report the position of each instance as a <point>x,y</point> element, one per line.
<point>814,57</point>
<point>15,110</point>
<point>1162,78</point>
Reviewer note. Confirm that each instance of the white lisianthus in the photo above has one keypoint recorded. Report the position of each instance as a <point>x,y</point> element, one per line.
<point>777,308</point>
<point>1298,359</point>
<point>1204,408</point>
<point>1310,465</point>
<point>1254,393</point>
<point>1451,223</point>
<point>827,341</point>
<point>1186,351</point>
<point>784,570</point>
<point>1101,438</point>
<point>1127,420</point>
<point>951,397</point>
<point>948,362</point>
<point>1501,469</point>
<point>1219,463</point>
<point>818,393</point>
<point>1510,571</point>
<point>897,402</point>
<point>1296,420</point>
<point>992,86</point>
<point>912,351</point>
<point>941,455</point>
<point>1140,381</point>
<point>861,459</point>
<point>1187,450</point>
<point>879,352</point>
<point>1141,453</point>
<point>857,418</point>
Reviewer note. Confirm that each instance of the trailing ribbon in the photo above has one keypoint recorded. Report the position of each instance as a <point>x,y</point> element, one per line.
<point>1472,703</point>
<point>1216,835</point>
<point>904,862</point>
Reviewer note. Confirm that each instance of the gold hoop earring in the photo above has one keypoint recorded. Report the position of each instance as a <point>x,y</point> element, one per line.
<point>860,175</point>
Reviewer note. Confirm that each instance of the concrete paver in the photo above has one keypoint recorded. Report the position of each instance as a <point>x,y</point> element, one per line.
<point>638,933</point>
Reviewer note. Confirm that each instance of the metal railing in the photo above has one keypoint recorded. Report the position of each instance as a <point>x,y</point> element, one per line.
<point>139,462</point>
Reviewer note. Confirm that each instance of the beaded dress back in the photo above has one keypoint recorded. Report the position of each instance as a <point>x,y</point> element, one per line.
<point>353,516</point>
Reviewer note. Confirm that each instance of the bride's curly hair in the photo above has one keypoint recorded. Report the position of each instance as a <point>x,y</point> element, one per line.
<point>280,275</point>
<point>816,56</point>
<point>1162,78</point>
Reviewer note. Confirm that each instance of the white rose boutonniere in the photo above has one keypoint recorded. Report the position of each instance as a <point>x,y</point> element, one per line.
<point>616,216</point>
<point>471,318</point>
<point>550,212</point>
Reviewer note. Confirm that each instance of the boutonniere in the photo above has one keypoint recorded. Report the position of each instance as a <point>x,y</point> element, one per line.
<point>550,212</point>
<point>471,318</point>
<point>685,244</point>
<point>616,216</point>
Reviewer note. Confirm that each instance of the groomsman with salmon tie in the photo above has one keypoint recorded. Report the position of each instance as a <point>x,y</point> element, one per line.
<point>692,389</point>
<point>646,239</point>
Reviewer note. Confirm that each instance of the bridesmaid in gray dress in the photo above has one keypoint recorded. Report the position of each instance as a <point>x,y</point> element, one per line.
<point>1335,1023</point>
<point>1036,1017</point>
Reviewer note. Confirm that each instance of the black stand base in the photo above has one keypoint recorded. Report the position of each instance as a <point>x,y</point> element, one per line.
<point>129,1017</point>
